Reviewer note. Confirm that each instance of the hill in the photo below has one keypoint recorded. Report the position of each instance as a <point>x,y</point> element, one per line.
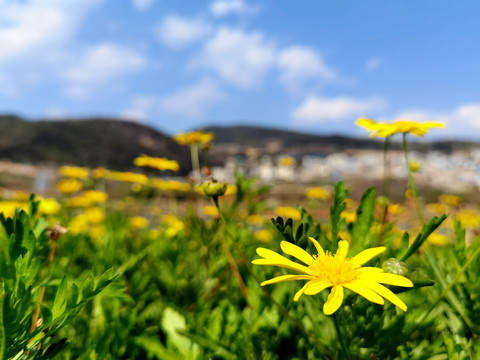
<point>90,142</point>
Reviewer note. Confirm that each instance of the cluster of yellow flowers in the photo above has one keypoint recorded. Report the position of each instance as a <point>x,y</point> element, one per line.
<point>318,193</point>
<point>88,198</point>
<point>381,129</point>
<point>161,164</point>
<point>170,185</point>
<point>194,138</point>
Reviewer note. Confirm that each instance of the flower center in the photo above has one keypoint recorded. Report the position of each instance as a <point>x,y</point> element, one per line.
<point>334,268</point>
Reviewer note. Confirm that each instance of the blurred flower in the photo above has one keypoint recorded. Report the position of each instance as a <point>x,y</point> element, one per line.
<point>317,193</point>
<point>468,218</point>
<point>263,235</point>
<point>194,137</point>
<point>173,223</point>
<point>69,186</point>
<point>129,177</point>
<point>437,239</point>
<point>7,208</point>
<point>414,166</point>
<point>437,208</point>
<point>288,212</point>
<point>95,215</point>
<point>231,190</point>
<point>286,161</point>
<point>100,173</point>
<point>345,235</point>
<point>161,164</point>
<point>210,210</point>
<point>96,231</point>
<point>338,271</point>
<point>74,172</point>
<point>349,216</point>
<point>170,185</point>
<point>88,198</point>
<point>256,220</point>
<point>451,200</point>
<point>381,129</point>
<point>20,196</point>
<point>49,206</point>
<point>78,225</point>
<point>138,222</point>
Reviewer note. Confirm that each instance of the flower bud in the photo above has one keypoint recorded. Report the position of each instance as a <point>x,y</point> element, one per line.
<point>395,266</point>
<point>414,166</point>
<point>214,188</point>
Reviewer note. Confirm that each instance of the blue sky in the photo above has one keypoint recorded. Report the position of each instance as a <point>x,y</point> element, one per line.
<point>178,65</point>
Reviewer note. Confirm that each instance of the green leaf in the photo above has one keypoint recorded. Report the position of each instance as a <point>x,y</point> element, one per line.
<point>427,229</point>
<point>364,217</point>
<point>60,302</point>
<point>337,208</point>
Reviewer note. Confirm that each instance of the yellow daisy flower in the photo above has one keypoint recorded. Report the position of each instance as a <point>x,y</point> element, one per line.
<point>338,271</point>
<point>381,129</point>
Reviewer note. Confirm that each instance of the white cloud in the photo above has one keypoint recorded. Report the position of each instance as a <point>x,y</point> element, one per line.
<point>141,5</point>
<point>238,57</point>
<point>221,8</point>
<point>316,109</point>
<point>99,65</point>
<point>194,100</point>
<point>177,32</point>
<point>300,64</point>
<point>140,107</point>
<point>374,63</point>
<point>32,25</point>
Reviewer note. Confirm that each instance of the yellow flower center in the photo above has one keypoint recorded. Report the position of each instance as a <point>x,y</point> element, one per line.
<point>334,268</point>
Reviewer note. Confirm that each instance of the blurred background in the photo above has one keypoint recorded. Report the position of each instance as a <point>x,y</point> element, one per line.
<point>96,83</point>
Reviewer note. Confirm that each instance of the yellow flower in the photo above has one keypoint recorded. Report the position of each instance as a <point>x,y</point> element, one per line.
<point>263,235</point>
<point>194,138</point>
<point>286,161</point>
<point>138,222</point>
<point>129,177</point>
<point>451,200</point>
<point>7,208</point>
<point>338,271</point>
<point>437,239</point>
<point>156,163</point>
<point>174,225</point>
<point>100,173</point>
<point>437,208</point>
<point>349,216</point>
<point>288,212</point>
<point>381,129</point>
<point>69,186</point>
<point>210,210</point>
<point>95,215</point>
<point>317,193</point>
<point>170,185</point>
<point>231,190</point>
<point>414,166</point>
<point>49,206</point>
<point>468,218</point>
<point>20,196</point>
<point>74,172</point>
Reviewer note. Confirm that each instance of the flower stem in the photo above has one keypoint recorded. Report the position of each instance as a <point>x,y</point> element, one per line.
<point>386,168</point>
<point>2,325</point>
<point>195,162</point>
<point>411,180</point>
<point>340,337</point>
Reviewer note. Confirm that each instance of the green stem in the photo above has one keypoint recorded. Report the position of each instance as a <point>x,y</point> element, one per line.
<point>195,162</point>
<point>386,168</point>
<point>2,325</point>
<point>411,180</point>
<point>340,337</point>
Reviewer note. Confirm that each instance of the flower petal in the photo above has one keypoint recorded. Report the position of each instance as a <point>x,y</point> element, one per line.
<point>367,293</point>
<point>296,251</point>
<point>334,300</point>
<point>387,294</point>
<point>286,278</point>
<point>342,250</point>
<point>285,263</point>
<point>315,286</point>
<point>366,255</point>
<point>391,279</point>
<point>320,251</point>
<point>300,292</point>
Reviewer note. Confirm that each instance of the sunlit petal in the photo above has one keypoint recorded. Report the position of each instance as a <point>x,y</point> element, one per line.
<point>342,249</point>
<point>300,292</point>
<point>392,279</point>
<point>361,289</point>
<point>387,294</point>
<point>286,278</point>
<point>316,286</point>
<point>367,255</point>
<point>320,251</point>
<point>285,263</point>
<point>296,251</point>
<point>334,300</point>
